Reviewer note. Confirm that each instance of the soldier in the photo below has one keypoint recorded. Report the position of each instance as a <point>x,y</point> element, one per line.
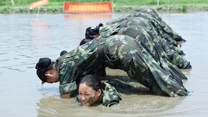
<point>93,92</point>
<point>144,17</point>
<point>157,46</point>
<point>137,21</point>
<point>116,52</point>
<point>91,33</point>
<point>152,16</point>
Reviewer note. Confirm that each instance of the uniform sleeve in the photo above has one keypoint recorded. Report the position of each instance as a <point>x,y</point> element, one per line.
<point>67,88</point>
<point>79,101</point>
<point>111,96</point>
<point>66,78</point>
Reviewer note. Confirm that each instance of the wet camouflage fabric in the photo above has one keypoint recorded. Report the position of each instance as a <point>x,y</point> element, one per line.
<point>77,63</point>
<point>140,66</point>
<point>143,32</point>
<point>143,22</point>
<point>155,45</point>
<point>149,25</point>
<point>152,14</point>
<point>156,20</point>
<point>109,97</point>
<point>121,52</point>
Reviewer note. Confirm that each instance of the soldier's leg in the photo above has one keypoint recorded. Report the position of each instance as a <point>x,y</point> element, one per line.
<point>164,28</point>
<point>175,56</point>
<point>102,72</point>
<point>180,62</point>
<point>146,70</point>
<point>120,86</point>
<point>153,45</point>
<point>151,75</point>
<point>164,25</point>
<point>129,55</point>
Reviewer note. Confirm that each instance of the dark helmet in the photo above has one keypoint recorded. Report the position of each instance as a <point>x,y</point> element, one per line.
<point>43,65</point>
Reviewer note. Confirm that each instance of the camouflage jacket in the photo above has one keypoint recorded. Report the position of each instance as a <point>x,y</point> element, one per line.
<point>77,63</point>
<point>109,97</point>
<point>120,52</point>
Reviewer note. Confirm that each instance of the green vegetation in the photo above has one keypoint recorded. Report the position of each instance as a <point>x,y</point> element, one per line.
<point>116,2</point>
<point>21,6</point>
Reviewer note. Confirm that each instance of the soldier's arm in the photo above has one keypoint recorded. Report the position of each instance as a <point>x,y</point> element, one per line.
<point>66,95</point>
<point>67,89</point>
<point>111,96</point>
<point>67,84</point>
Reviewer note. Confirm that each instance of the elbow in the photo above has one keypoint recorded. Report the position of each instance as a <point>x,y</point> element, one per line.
<point>67,95</point>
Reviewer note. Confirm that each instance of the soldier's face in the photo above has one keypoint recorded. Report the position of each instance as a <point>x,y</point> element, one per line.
<point>52,75</point>
<point>87,95</point>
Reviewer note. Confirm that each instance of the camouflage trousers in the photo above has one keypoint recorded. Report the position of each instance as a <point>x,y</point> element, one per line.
<point>155,45</point>
<point>123,52</point>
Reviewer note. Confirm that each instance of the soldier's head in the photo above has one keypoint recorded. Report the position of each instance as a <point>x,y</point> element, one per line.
<point>46,71</point>
<point>63,52</point>
<point>93,32</point>
<point>90,89</point>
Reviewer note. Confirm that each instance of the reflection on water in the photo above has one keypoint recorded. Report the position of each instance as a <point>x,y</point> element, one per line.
<point>40,32</point>
<point>79,22</point>
<point>27,37</point>
<point>97,16</point>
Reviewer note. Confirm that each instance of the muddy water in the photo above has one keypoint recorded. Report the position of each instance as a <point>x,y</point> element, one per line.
<point>26,38</point>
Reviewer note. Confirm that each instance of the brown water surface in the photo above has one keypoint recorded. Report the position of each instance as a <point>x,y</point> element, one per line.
<point>24,38</point>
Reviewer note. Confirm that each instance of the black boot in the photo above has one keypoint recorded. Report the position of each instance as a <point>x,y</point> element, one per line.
<point>188,66</point>
<point>181,53</point>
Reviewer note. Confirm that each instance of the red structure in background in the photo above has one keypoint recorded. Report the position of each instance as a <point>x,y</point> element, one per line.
<point>93,7</point>
<point>38,4</point>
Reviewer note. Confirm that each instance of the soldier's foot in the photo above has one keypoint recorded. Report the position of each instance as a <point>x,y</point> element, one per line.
<point>188,66</point>
<point>181,53</point>
<point>181,40</point>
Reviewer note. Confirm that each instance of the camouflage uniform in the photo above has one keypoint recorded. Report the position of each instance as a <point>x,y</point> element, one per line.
<point>146,23</point>
<point>151,15</point>
<point>111,29</point>
<point>157,46</point>
<point>120,52</point>
<point>149,25</point>
<point>109,97</point>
